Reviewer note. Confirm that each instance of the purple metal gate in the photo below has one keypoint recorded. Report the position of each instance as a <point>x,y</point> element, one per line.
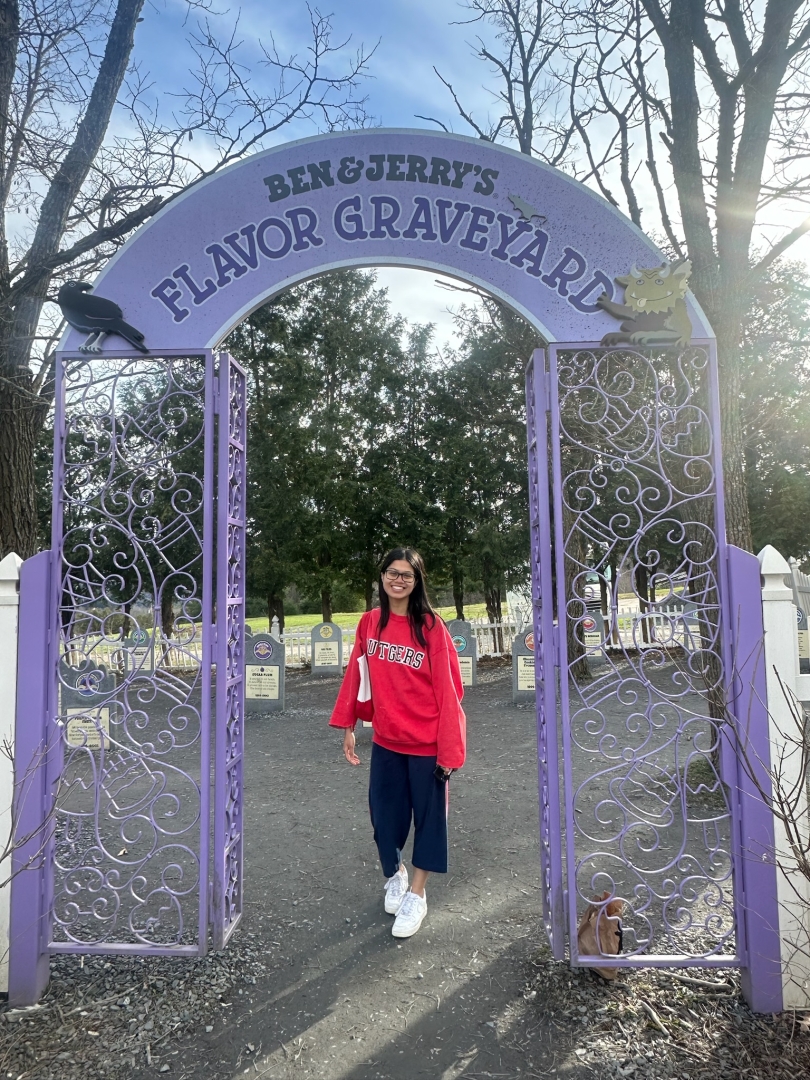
<point>230,651</point>
<point>537,409</point>
<point>130,671</point>
<point>634,623</point>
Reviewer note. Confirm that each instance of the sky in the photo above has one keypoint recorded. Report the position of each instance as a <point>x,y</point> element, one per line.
<point>409,37</point>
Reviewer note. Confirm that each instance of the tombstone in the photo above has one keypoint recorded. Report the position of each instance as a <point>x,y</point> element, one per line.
<point>83,691</point>
<point>139,652</point>
<point>523,668</point>
<point>264,673</point>
<point>466,648</point>
<point>593,628</point>
<point>593,623</point>
<point>327,649</point>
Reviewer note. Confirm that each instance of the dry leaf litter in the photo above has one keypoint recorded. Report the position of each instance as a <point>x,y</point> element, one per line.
<point>104,1016</point>
<point>691,1023</point>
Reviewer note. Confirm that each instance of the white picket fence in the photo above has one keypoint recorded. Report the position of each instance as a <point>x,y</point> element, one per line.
<point>665,626</point>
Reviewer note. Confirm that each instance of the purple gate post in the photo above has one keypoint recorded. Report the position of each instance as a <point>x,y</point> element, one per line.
<point>551,841</point>
<point>749,746</point>
<point>230,651</point>
<point>28,955</point>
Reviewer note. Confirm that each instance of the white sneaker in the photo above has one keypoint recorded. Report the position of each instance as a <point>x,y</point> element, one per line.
<point>395,889</point>
<point>409,918</point>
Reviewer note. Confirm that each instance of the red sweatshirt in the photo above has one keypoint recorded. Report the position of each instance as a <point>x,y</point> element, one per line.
<point>415,692</point>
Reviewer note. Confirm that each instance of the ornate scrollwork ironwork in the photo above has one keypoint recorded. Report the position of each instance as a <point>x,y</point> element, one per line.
<point>130,548</point>
<point>649,817</point>
<point>230,694</point>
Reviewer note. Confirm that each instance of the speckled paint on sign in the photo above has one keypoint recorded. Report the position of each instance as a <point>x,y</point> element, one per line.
<point>487,215</point>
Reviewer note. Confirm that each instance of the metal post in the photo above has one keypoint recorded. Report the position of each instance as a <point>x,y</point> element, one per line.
<point>28,959</point>
<point>537,399</point>
<point>756,880</point>
<point>228,868</point>
<point>9,626</point>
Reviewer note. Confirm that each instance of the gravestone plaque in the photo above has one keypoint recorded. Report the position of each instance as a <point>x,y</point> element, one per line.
<point>327,649</point>
<point>465,646</point>
<point>523,688</point>
<point>139,651</point>
<point>264,673</point>
<point>83,695</point>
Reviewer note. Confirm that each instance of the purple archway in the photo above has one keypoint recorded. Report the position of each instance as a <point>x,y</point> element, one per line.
<point>625,483</point>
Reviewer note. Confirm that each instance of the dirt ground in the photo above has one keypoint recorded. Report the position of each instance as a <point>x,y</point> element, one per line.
<point>341,996</point>
<point>313,985</point>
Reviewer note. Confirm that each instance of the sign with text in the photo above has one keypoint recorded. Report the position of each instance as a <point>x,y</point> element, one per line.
<point>327,649</point>
<point>83,693</point>
<point>478,211</point>
<point>88,728</point>
<point>523,677</point>
<point>593,629</point>
<point>464,643</point>
<point>261,683</point>
<point>139,651</point>
<point>264,674</point>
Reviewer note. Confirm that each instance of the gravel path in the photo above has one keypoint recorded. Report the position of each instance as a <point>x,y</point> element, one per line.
<point>313,984</point>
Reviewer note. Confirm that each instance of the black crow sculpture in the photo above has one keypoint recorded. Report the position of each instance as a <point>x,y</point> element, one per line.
<point>95,316</point>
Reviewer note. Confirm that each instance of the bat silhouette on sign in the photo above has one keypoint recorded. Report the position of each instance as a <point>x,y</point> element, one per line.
<point>96,317</point>
<point>526,210</point>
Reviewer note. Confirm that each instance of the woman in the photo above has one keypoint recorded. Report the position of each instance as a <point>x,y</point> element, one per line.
<point>404,651</point>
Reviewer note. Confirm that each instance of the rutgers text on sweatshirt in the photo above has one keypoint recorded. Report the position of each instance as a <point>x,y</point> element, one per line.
<point>416,691</point>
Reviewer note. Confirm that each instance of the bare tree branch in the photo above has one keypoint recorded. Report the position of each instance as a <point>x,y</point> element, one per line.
<point>779,248</point>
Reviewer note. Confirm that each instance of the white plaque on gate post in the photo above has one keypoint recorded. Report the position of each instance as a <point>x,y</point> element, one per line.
<point>327,649</point>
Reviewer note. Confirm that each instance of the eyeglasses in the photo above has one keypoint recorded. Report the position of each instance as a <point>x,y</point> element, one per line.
<point>407,577</point>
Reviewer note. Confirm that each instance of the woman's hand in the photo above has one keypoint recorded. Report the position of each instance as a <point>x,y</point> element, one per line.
<point>348,748</point>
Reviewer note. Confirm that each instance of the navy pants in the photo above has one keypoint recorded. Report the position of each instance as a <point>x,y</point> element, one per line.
<point>402,788</point>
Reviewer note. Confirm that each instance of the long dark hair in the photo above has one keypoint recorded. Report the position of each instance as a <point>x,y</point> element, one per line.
<point>419,607</point>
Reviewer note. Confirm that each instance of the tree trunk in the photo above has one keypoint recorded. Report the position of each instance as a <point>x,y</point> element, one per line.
<point>275,609</point>
<point>369,593</point>
<point>641,586</point>
<point>20,426</point>
<point>738,518</point>
<point>166,610</point>
<point>614,605</point>
<point>326,604</point>
<point>492,598</point>
<point>458,592</point>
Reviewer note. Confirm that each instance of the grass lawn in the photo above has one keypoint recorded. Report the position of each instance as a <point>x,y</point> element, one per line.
<point>350,619</point>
